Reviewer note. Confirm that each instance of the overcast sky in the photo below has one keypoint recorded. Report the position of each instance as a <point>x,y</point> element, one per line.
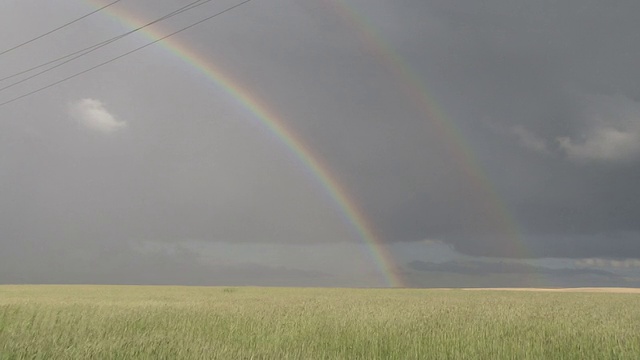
<point>147,171</point>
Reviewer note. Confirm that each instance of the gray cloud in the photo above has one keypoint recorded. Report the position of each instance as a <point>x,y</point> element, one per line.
<point>471,272</point>
<point>544,94</point>
<point>127,263</point>
<point>530,140</point>
<point>612,131</point>
<point>472,267</point>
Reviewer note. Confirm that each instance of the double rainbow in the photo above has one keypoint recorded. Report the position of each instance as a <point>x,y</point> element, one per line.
<point>274,124</point>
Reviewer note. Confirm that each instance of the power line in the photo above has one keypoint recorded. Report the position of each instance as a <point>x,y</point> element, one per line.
<point>58,28</point>
<point>92,48</point>
<point>105,42</point>
<point>125,54</point>
<point>22,72</point>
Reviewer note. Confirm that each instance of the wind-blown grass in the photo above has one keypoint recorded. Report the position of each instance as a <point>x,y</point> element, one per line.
<point>123,322</point>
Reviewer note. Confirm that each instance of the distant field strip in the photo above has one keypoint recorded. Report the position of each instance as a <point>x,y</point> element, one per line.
<point>610,290</point>
<point>145,322</point>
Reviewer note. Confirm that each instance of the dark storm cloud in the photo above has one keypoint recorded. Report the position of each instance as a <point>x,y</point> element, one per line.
<point>545,94</point>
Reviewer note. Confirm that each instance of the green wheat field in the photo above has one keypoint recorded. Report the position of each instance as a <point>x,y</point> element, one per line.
<point>148,322</point>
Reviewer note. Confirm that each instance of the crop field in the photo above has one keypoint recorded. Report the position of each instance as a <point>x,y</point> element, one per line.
<point>124,322</point>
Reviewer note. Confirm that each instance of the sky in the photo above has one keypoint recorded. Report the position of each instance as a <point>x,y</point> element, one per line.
<point>492,143</point>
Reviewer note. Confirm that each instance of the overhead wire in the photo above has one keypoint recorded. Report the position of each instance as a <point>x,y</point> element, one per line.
<point>83,52</point>
<point>124,54</point>
<point>104,42</point>
<point>58,28</point>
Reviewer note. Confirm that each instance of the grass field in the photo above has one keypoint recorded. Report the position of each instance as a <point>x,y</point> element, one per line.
<point>123,322</point>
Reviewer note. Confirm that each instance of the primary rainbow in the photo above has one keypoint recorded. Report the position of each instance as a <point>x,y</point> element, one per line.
<point>274,124</point>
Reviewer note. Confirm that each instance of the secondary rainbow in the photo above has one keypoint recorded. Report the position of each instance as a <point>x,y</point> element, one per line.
<point>267,118</point>
<point>497,211</point>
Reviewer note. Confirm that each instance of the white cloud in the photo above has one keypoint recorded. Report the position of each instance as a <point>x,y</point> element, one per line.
<point>608,263</point>
<point>612,131</point>
<point>529,140</point>
<point>604,144</point>
<point>92,114</point>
